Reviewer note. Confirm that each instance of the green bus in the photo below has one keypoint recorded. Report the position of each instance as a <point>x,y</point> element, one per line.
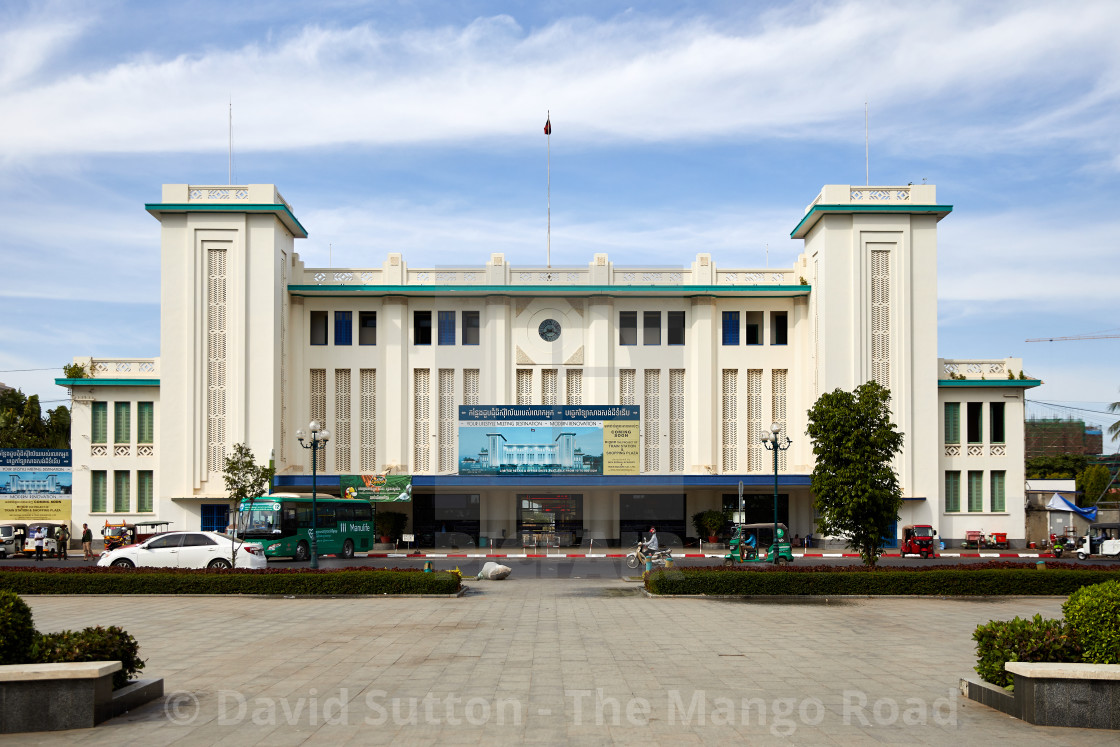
<point>281,524</point>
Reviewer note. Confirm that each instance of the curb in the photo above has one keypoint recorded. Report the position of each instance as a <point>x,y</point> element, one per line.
<point>421,556</point>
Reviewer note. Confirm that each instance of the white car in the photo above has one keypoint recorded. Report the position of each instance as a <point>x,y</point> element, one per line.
<point>186,550</point>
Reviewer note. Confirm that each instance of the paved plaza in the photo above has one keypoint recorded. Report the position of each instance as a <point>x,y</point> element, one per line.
<point>552,661</point>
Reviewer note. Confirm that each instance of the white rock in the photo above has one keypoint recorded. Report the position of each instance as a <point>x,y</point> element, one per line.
<point>493,571</point>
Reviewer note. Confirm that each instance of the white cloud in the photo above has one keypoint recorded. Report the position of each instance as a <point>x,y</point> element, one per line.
<point>793,73</point>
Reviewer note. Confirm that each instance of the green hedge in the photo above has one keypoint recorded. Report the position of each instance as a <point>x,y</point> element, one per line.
<point>237,581</point>
<point>930,582</point>
<point>1036,639</point>
<point>1094,613</point>
<point>17,628</point>
<point>92,644</point>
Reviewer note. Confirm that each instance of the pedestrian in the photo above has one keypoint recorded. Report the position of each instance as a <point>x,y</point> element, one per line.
<point>87,541</point>
<point>38,543</point>
<point>63,542</point>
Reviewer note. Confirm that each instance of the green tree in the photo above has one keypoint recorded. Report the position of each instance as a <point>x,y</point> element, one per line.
<point>1091,483</point>
<point>1056,467</point>
<point>244,479</point>
<point>1114,429</point>
<point>855,488</point>
<point>22,425</point>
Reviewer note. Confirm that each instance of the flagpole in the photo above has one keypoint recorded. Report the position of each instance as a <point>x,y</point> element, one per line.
<point>549,139</point>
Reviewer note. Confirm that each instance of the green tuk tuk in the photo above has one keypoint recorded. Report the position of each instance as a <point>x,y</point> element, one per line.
<point>754,543</point>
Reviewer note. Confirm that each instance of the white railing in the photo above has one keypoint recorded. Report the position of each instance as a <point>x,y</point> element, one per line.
<point>235,193</point>
<point>880,194</point>
<point>998,368</point>
<point>124,368</point>
<point>755,277</point>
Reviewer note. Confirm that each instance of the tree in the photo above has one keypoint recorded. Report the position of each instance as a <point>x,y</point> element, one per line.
<point>1092,483</point>
<point>1056,466</point>
<point>244,479</point>
<point>1114,429</point>
<point>855,488</point>
<point>22,425</point>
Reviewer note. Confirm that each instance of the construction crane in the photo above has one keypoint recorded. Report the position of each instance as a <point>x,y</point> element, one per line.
<point>1073,337</point>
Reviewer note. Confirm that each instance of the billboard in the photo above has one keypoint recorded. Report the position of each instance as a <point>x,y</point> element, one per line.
<point>549,439</point>
<point>35,484</point>
<point>378,488</point>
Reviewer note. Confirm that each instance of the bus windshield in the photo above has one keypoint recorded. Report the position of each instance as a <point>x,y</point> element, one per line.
<point>262,519</point>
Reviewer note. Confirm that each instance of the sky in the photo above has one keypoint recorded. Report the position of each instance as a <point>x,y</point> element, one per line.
<point>678,128</point>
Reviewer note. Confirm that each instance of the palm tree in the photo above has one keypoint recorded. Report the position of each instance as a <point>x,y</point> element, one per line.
<point>1114,429</point>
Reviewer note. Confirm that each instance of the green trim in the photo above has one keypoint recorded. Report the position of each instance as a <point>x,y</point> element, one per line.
<point>293,224</point>
<point>1016,383</point>
<point>773,291</point>
<point>107,382</point>
<point>816,210</point>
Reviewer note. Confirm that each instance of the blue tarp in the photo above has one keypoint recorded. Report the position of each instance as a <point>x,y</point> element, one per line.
<point>1058,503</point>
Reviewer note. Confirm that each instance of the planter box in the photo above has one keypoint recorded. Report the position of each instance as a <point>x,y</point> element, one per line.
<point>77,695</point>
<point>1055,694</point>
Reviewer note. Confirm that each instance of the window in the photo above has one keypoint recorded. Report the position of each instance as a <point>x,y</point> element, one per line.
<point>144,491</point>
<point>367,327</point>
<point>100,428</point>
<point>343,327</point>
<point>999,490</point>
<point>421,328</point>
<point>975,422</point>
<point>145,422</point>
<point>318,328</point>
<point>952,492</point>
<point>651,327</point>
<point>197,540</point>
<point>447,328</point>
<point>754,327</point>
<point>731,328</point>
<point>975,491</point>
<point>779,321</point>
<point>627,328</point>
<point>98,498</point>
<point>676,328</point>
<point>995,416</point>
<point>165,543</point>
<point>122,491</point>
<point>122,422</point>
<point>952,422</point>
<point>470,327</point>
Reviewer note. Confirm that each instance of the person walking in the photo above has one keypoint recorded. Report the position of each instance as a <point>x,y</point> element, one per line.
<point>64,542</point>
<point>87,541</point>
<point>38,543</point>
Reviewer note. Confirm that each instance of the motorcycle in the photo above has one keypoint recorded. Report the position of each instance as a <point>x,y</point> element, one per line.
<point>638,557</point>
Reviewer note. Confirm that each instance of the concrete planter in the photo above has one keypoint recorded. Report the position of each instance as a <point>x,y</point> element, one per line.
<point>1055,694</point>
<point>76,695</point>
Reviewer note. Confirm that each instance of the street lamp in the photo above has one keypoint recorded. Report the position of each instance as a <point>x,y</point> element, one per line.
<point>319,438</point>
<point>775,444</point>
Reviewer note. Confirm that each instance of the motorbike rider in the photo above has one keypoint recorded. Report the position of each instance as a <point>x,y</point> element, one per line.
<point>650,545</point>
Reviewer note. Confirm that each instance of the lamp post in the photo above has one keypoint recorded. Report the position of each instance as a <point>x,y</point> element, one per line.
<point>319,438</point>
<point>775,444</point>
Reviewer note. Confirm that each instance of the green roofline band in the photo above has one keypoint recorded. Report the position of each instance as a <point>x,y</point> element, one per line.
<point>1019,383</point>
<point>811,216</point>
<point>773,291</point>
<point>281,211</point>
<point>94,381</point>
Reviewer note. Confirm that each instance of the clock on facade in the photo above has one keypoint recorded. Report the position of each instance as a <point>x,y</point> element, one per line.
<point>549,330</point>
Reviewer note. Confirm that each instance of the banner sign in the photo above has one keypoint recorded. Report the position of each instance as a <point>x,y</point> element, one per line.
<point>35,484</point>
<point>549,440</point>
<point>378,488</point>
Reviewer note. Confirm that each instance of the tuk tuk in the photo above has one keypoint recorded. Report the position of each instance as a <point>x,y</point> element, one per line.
<point>754,543</point>
<point>12,536</point>
<point>51,532</point>
<point>917,539</point>
<point>145,530</point>
<point>118,535</point>
<point>1100,539</point>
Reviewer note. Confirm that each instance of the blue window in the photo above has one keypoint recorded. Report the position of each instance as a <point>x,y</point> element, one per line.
<point>343,325</point>
<point>447,328</point>
<point>215,517</point>
<point>731,328</point>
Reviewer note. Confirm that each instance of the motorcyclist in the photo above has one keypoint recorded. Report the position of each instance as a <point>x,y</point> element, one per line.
<point>650,545</point>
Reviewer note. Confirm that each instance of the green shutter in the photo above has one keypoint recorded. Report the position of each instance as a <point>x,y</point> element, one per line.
<point>145,421</point>
<point>97,490</point>
<point>100,425</point>
<point>952,422</point>
<point>999,483</point>
<point>122,414</point>
<point>144,491</point>
<point>122,494</point>
<point>952,491</point>
<point>975,491</point>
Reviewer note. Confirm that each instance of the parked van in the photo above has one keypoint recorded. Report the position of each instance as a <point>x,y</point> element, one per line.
<point>51,532</point>
<point>12,535</point>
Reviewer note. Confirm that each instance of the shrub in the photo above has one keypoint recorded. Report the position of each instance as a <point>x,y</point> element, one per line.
<point>1001,641</point>
<point>17,630</point>
<point>92,644</point>
<point>1094,612</point>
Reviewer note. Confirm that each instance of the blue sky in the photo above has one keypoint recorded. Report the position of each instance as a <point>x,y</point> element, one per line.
<point>677,128</point>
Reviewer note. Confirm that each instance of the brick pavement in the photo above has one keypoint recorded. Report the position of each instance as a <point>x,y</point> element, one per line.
<point>552,661</point>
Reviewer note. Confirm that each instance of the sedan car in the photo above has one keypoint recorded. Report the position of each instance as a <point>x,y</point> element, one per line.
<point>186,550</point>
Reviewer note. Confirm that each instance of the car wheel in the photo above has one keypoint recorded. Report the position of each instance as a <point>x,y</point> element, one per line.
<point>347,549</point>
<point>123,563</point>
<point>1081,556</point>
<point>219,563</point>
<point>303,552</point>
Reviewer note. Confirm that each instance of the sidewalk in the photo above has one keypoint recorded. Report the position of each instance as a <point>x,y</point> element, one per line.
<point>615,552</point>
<point>534,660</point>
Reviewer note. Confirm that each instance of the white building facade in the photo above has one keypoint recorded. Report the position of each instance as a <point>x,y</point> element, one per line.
<point>254,345</point>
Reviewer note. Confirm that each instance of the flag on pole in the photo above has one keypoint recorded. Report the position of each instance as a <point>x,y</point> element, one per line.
<point>548,125</point>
